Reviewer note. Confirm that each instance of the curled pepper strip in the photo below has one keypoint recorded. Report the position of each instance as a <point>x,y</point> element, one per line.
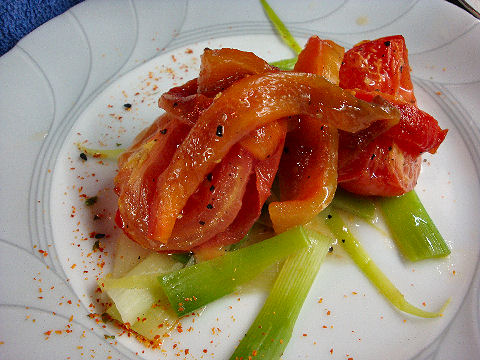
<point>308,170</point>
<point>249,103</point>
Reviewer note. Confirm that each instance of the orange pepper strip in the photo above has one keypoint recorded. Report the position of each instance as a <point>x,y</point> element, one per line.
<point>251,102</point>
<point>307,174</point>
<point>308,171</point>
<point>223,67</point>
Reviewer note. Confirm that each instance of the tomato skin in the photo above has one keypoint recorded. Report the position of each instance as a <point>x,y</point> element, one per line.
<point>379,65</point>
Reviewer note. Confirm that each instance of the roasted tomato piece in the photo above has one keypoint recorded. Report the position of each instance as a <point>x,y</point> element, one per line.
<point>258,190</point>
<point>249,103</point>
<point>379,65</point>
<point>416,132</point>
<point>387,164</point>
<point>381,168</point>
<point>215,204</point>
<point>135,183</point>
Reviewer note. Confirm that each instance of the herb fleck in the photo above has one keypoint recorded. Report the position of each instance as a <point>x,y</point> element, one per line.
<point>91,200</point>
<point>83,156</point>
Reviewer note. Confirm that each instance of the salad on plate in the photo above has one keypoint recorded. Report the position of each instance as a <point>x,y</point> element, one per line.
<point>249,170</point>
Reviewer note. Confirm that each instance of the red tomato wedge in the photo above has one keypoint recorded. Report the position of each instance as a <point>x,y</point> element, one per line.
<point>388,165</point>
<point>308,170</point>
<point>379,65</point>
<point>135,183</point>
<point>379,160</point>
<point>257,192</point>
<point>381,168</point>
<point>249,103</point>
<point>215,204</point>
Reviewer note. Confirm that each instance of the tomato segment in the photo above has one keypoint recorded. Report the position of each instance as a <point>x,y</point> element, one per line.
<point>381,168</point>
<point>135,183</point>
<point>379,65</point>
<point>257,192</point>
<point>377,160</point>
<point>215,204</point>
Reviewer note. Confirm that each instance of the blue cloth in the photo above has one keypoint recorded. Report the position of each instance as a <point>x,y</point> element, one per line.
<point>20,17</point>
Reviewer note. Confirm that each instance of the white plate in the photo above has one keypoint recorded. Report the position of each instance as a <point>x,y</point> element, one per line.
<point>57,85</point>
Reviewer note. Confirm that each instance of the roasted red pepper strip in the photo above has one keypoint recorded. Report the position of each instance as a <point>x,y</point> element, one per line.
<point>220,69</point>
<point>184,102</point>
<point>249,103</point>
<point>307,174</point>
<point>223,67</point>
<point>322,57</point>
<point>308,170</point>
